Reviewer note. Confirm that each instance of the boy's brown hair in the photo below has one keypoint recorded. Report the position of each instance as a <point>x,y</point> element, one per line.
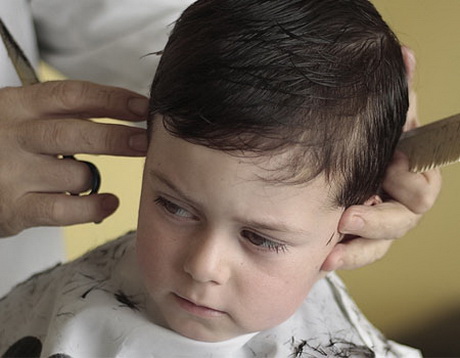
<point>323,80</point>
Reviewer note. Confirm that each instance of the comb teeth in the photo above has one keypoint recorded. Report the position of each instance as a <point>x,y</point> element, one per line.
<point>433,145</point>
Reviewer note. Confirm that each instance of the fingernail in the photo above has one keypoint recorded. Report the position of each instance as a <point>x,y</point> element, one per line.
<point>138,105</point>
<point>356,223</point>
<point>109,205</point>
<point>139,142</point>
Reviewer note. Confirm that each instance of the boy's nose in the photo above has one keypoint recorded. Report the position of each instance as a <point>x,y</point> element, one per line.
<point>207,260</point>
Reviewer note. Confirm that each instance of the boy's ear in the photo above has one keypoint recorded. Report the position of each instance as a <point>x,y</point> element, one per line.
<point>409,63</point>
<point>343,251</point>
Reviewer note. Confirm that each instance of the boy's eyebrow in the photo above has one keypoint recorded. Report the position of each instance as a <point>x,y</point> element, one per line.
<point>156,175</point>
<point>277,226</point>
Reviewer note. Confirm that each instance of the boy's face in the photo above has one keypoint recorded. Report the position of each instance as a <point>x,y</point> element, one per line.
<point>223,252</point>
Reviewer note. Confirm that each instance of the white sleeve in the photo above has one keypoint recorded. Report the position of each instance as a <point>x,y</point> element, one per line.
<point>105,41</point>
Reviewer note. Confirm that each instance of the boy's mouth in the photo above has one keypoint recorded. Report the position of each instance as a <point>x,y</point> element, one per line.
<point>196,309</point>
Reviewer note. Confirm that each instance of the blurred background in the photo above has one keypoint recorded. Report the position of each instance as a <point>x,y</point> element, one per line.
<point>413,294</point>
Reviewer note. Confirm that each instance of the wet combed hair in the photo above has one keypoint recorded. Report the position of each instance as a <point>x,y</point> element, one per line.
<point>322,80</point>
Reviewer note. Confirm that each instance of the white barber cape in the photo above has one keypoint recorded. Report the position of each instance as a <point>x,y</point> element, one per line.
<point>95,307</point>
<point>104,41</point>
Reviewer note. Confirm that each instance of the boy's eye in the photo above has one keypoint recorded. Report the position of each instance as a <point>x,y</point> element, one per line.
<point>173,209</point>
<point>262,242</point>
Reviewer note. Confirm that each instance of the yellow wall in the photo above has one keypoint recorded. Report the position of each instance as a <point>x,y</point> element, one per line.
<point>420,277</point>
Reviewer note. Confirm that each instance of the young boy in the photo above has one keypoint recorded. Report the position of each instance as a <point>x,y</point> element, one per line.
<point>268,119</point>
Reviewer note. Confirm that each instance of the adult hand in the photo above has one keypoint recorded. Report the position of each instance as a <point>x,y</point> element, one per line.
<point>374,228</point>
<point>40,122</point>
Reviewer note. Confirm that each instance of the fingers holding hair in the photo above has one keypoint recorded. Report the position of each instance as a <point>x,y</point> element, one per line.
<point>46,120</point>
<point>42,118</point>
<point>78,99</point>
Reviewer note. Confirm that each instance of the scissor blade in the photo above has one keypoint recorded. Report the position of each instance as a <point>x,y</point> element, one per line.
<point>20,62</point>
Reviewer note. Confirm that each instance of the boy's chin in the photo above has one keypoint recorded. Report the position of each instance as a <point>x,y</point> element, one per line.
<point>204,334</point>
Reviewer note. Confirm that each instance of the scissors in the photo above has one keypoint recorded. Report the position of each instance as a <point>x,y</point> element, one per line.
<point>28,76</point>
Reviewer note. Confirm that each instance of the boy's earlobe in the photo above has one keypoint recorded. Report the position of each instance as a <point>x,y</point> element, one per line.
<point>373,200</point>
<point>344,252</point>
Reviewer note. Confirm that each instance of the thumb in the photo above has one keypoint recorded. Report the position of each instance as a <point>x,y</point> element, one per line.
<point>387,221</point>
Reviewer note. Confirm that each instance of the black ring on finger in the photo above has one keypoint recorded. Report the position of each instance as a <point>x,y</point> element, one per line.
<point>95,174</point>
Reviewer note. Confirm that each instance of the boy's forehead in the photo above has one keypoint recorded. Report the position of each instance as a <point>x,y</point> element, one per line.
<point>171,158</point>
<point>266,166</point>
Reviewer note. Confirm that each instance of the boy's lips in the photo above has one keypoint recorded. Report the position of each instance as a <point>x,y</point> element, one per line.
<point>196,309</point>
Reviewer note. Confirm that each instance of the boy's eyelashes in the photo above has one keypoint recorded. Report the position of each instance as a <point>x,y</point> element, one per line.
<point>174,209</point>
<point>261,242</point>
